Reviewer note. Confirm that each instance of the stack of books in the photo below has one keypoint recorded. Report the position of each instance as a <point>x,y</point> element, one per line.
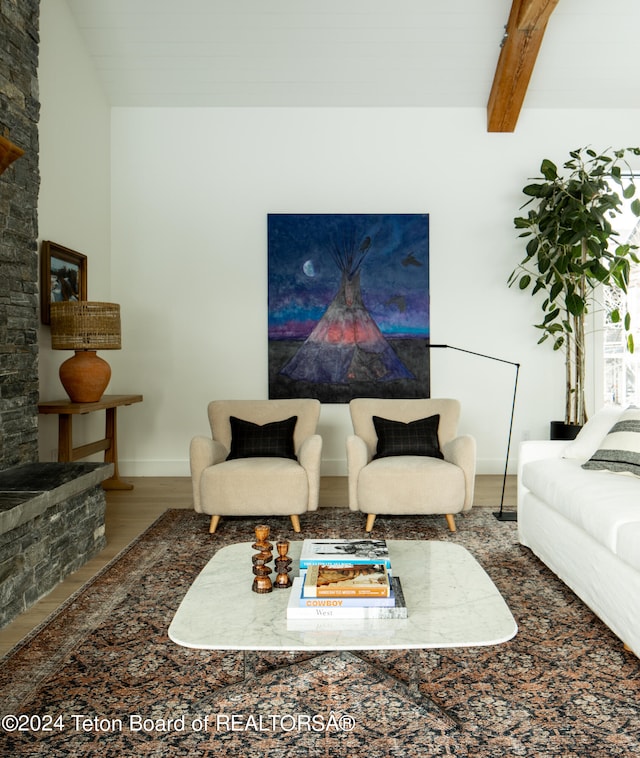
<point>346,579</point>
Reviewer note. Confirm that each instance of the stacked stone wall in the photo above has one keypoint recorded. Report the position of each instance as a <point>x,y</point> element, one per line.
<point>19,187</point>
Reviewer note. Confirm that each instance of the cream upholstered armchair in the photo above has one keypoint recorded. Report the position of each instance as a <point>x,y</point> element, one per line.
<point>263,459</point>
<point>405,458</point>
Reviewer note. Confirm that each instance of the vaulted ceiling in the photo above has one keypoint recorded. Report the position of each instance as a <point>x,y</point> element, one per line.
<point>364,53</point>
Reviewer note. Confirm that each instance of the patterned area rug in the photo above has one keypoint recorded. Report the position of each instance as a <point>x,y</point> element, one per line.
<point>102,678</point>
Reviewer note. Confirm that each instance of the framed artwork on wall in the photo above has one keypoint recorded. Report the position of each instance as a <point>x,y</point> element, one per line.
<point>348,305</point>
<point>63,276</point>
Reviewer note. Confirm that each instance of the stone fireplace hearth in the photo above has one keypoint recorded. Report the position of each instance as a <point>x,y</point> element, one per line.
<point>51,523</point>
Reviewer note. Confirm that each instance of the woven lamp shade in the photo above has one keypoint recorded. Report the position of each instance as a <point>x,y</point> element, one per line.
<point>85,325</point>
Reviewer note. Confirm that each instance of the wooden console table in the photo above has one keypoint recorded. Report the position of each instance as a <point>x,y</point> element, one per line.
<point>65,410</point>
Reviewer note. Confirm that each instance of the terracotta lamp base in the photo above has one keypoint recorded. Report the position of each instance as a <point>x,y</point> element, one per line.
<point>85,376</point>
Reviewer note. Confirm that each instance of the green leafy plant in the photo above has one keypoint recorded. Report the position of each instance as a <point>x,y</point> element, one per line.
<point>572,250</point>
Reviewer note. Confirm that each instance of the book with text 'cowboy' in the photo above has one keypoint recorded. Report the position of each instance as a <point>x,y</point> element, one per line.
<point>337,609</point>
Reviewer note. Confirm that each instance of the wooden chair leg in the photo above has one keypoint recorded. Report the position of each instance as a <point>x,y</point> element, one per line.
<point>451,522</point>
<point>371,517</point>
<point>295,522</point>
<point>214,524</point>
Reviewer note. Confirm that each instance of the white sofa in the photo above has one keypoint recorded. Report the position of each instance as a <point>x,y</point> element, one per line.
<point>585,524</point>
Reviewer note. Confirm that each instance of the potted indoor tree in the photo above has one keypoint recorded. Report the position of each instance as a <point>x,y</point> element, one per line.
<point>572,250</point>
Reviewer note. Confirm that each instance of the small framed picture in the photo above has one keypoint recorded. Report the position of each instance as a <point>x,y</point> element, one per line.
<point>63,275</point>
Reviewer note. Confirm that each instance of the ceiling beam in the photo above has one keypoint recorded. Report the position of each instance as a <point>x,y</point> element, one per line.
<point>523,37</point>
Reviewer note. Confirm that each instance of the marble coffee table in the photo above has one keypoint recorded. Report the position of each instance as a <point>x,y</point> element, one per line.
<point>451,602</point>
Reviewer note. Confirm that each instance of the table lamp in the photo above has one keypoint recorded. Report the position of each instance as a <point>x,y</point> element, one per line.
<point>85,327</point>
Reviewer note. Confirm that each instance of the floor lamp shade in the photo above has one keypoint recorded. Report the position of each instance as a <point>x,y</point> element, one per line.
<point>85,327</point>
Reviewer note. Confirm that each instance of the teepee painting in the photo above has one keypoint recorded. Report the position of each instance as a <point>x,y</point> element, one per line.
<point>348,305</point>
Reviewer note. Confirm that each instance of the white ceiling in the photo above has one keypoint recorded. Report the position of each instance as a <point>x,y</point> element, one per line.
<point>434,53</point>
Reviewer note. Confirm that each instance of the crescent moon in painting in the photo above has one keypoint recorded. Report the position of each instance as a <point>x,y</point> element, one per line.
<point>308,268</point>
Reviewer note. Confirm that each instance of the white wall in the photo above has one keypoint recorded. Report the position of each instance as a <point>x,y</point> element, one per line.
<point>191,190</point>
<point>74,202</point>
<point>183,246</point>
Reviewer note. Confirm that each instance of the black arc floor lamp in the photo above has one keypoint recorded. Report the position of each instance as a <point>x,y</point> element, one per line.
<point>501,515</point>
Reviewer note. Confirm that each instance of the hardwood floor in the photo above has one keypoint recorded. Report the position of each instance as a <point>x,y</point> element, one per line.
<point>129,513</point>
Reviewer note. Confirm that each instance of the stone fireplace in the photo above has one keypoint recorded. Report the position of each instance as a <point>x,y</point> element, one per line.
<point>51,515</point>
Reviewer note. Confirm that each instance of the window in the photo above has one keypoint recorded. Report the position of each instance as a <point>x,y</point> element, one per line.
<point>622,368</point>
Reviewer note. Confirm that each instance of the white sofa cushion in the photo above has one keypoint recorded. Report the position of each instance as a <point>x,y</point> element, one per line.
<point>592,433</point>
<point>599,502</point>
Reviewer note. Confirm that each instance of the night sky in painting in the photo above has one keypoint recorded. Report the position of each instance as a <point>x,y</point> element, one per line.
<point>391,255</point>
<point>303,278</point>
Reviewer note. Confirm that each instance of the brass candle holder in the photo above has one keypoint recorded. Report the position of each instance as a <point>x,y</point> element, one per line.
<point>262,582</point>
<point>283,566</point>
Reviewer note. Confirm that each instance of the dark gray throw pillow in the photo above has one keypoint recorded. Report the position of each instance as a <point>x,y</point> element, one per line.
<point>418,437</point>
<point>273,440</point>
